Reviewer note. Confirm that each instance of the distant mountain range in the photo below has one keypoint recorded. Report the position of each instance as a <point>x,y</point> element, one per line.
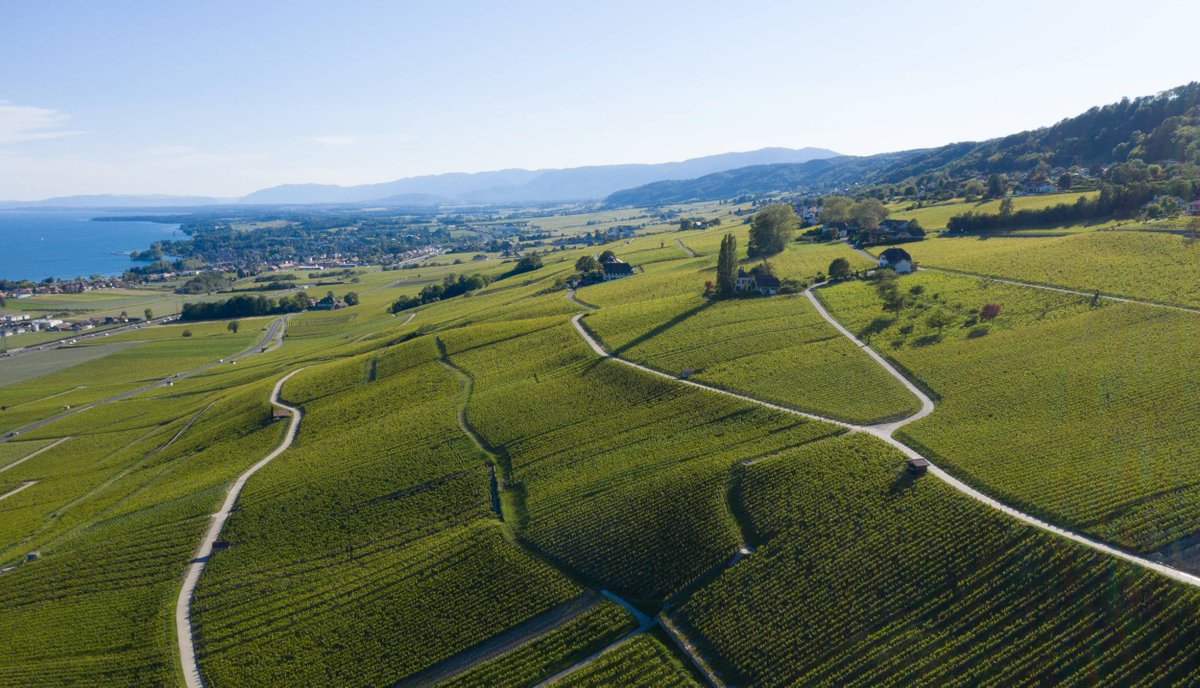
<point>117,201</point>
<point>589,183</point>
<point>1158,128</point>
<point>526,186</point>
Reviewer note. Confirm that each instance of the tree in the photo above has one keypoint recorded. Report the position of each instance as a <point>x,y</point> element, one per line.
<point>989,311</point>
<point>939,319</point>
<point>148,313</point>
<point>868,213</point>
<point>607,255</point>
<point>233,326</point>
<point>836,209</point>
<point>972,190</point>
<point>530,261</point>
<point>351,298</point>
<point>1064,182</point>
<point>995,186</point>
<point>586,264</point>
<point>889,292</point>
<point>727,265</point>
<point>839,268</point>
<point>1006,208</point>
<point>771,230</point>
<point>187,333</point>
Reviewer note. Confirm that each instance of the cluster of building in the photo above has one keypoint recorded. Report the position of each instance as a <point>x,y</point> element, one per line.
<point>888,232</point>
<point>23,323</point>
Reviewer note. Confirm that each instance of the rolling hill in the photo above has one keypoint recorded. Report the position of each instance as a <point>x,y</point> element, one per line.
<point>1160,128</point>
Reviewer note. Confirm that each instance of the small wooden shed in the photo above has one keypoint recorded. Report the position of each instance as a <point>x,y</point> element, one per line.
<point>280,413</point>
<point>918,465</point>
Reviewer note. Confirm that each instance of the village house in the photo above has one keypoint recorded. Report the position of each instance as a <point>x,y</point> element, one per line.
<point>615,268</point>
<point>896,259</point>
<point>836,230</point>
<point>756,282</point>
<point>1037,187</point>
<point>892,231</point>
<point>1193,208</point>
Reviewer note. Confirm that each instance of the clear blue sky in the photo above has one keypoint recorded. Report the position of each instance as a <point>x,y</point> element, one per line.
<point>224,98</point>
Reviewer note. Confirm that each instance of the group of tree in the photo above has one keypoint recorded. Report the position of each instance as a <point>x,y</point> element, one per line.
<point>527,263</point>
<point>244,307</point>
<point>865,213</point>
<point>771,230</point>
<point>590,268</point>
<point>450,286</point>
<point>205,283</point>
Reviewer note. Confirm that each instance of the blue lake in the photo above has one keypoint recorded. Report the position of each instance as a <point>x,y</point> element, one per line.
<point>36,244</point>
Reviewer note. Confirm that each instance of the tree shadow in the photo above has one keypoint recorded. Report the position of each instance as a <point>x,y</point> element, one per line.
<point>659,329</point>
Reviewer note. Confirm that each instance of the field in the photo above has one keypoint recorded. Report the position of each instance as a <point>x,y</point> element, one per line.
<point>400,530</point>
<point>869,577</point>
<point>1075,393</point>
<point>469,475</point>
<point>936,216</point>
<point>551,652</point>
<point>1158,267</point>
<point>641,661</point>
<point>619,475</point>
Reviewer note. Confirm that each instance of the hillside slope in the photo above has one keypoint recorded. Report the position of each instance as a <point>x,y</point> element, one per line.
<point>1157,128</point>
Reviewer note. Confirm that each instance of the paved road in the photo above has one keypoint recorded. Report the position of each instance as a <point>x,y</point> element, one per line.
<point>884,432</point>
<point>55,343</point>
<point>183,606</point>
<point>270,341</point>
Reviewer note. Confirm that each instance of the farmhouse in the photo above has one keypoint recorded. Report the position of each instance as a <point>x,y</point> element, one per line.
<point>756,282</point>
<point>615,268</point>
<point>1193,208</point>
<point>893,230</point>
<point>896,259</point>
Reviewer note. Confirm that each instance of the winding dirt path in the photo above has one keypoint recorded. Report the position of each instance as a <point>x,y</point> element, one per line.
<point>884,431</point>
<point>183,606</point>
<point>690,252</point>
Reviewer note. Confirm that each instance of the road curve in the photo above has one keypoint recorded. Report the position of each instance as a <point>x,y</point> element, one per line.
<point>884,432</point>
<point>270,341</point>
<point>183,606</point>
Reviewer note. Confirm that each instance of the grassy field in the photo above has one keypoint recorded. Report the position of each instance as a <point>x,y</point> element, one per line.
<point>868,577</point>
<point>1060,407</point>
<point>937,216</point>
<point>1153,266</point>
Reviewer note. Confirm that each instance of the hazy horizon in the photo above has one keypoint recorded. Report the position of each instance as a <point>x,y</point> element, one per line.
<point>222,100</point>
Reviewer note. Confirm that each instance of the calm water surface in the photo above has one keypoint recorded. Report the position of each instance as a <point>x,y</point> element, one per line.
<point>36,244</point>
